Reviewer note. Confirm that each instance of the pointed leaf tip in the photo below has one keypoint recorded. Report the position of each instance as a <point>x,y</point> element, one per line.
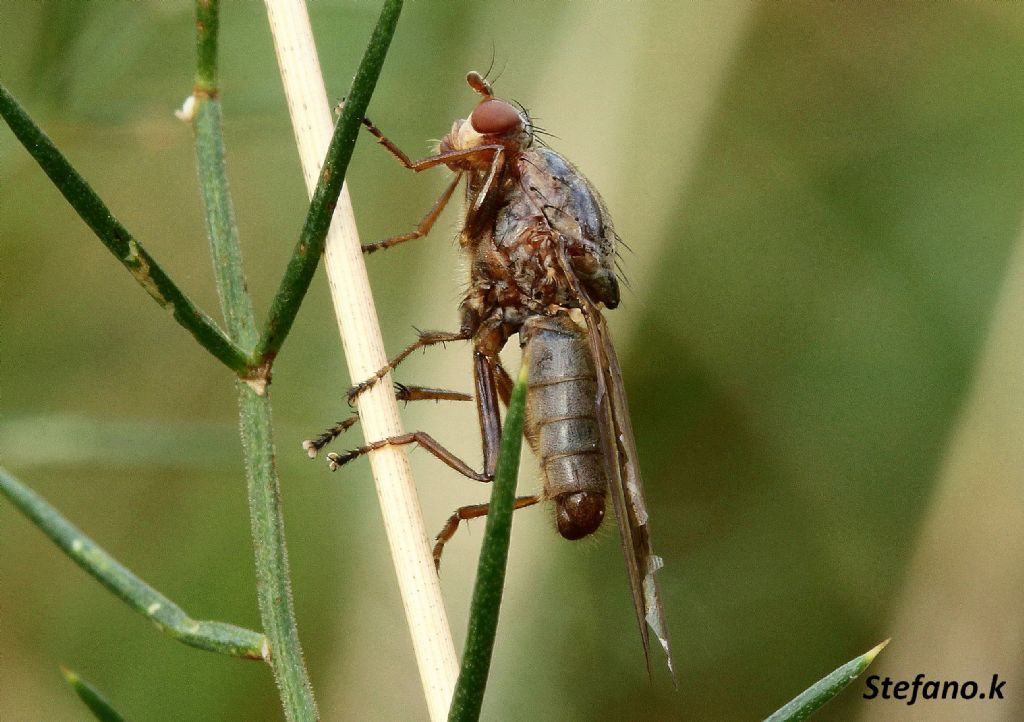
<point>870,655</point>
<point>92,698</point>
<point>814,697</point>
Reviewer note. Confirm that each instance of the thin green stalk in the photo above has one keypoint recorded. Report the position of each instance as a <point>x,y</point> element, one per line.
<point>207,34</point>
<point>220,223</point>
<point>490,575</point>
<point>814,697</point>
<point>310,246</point>
<point>273,585</point>
<point>98,704</point>
<point>116,237</point>
<point>168,617</point>
<point>213,183</point>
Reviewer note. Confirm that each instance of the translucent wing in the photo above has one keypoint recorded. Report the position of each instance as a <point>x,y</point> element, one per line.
<point>625,486</point>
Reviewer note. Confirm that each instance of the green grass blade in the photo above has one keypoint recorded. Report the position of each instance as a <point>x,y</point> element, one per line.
<point>98,704</point>
<point>116,237</point>
<point>168,617</point>
<point>826,688</point>
<point>490,576</point>
<point>308,250</point>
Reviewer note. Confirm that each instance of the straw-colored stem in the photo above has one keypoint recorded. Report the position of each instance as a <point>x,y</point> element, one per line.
<point>364,351</point>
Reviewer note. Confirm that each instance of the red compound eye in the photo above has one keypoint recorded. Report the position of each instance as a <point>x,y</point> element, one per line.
<point>494,117</point>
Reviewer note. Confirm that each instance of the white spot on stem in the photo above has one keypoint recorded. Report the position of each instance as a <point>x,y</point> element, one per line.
<point>187,111</point>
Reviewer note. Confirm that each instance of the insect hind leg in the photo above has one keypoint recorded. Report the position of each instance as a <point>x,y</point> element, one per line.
<point>465,513</point>
<point>402,393</point>
<point>424,441</point>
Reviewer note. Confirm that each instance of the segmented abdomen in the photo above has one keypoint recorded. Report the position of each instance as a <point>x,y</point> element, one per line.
<point>560,421</point>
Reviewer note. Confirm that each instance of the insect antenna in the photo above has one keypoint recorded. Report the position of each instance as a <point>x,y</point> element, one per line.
<point>503,66</point>
<point>490,65</point>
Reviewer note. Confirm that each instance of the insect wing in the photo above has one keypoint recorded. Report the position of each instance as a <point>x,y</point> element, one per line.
<point>626,488</point>
<point>619,450</point>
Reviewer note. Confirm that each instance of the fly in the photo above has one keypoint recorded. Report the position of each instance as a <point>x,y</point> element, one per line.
<point>541,249</point>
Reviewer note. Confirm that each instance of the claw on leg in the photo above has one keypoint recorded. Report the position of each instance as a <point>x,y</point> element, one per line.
<point>313,446</point>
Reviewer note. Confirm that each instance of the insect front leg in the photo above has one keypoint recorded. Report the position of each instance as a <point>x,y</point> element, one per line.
<point>453,158</point>
<point>447,157</point>
<point>494,169</point>
<point>424,226</point>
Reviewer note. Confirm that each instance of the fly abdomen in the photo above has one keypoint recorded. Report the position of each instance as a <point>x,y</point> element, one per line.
<point>560,422</point>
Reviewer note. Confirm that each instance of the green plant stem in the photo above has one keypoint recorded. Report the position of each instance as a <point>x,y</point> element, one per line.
<point>207,34</point>
<point>219,211</point>
<point>814,697</point>
<point>310,246</point>
<point>490,575</point>
<point>220,223</point>
<point>168,617</point>
<point>116,237</point>
<point>98,704</point>
<point>273,586</point>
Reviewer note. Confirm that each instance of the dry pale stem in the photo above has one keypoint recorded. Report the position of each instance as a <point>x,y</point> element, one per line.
<point>364,351</point>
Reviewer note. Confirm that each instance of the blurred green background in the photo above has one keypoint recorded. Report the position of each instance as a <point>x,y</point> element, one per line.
<point>822,202</point>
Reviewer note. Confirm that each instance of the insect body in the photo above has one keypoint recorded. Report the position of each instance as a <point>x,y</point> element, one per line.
<point>541,249</point>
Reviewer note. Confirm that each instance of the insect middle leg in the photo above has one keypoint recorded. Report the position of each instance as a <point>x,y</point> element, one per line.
<point>426,338</point>
<point>503,381</point>
<point>491,381</point>
<point>490,425</point>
